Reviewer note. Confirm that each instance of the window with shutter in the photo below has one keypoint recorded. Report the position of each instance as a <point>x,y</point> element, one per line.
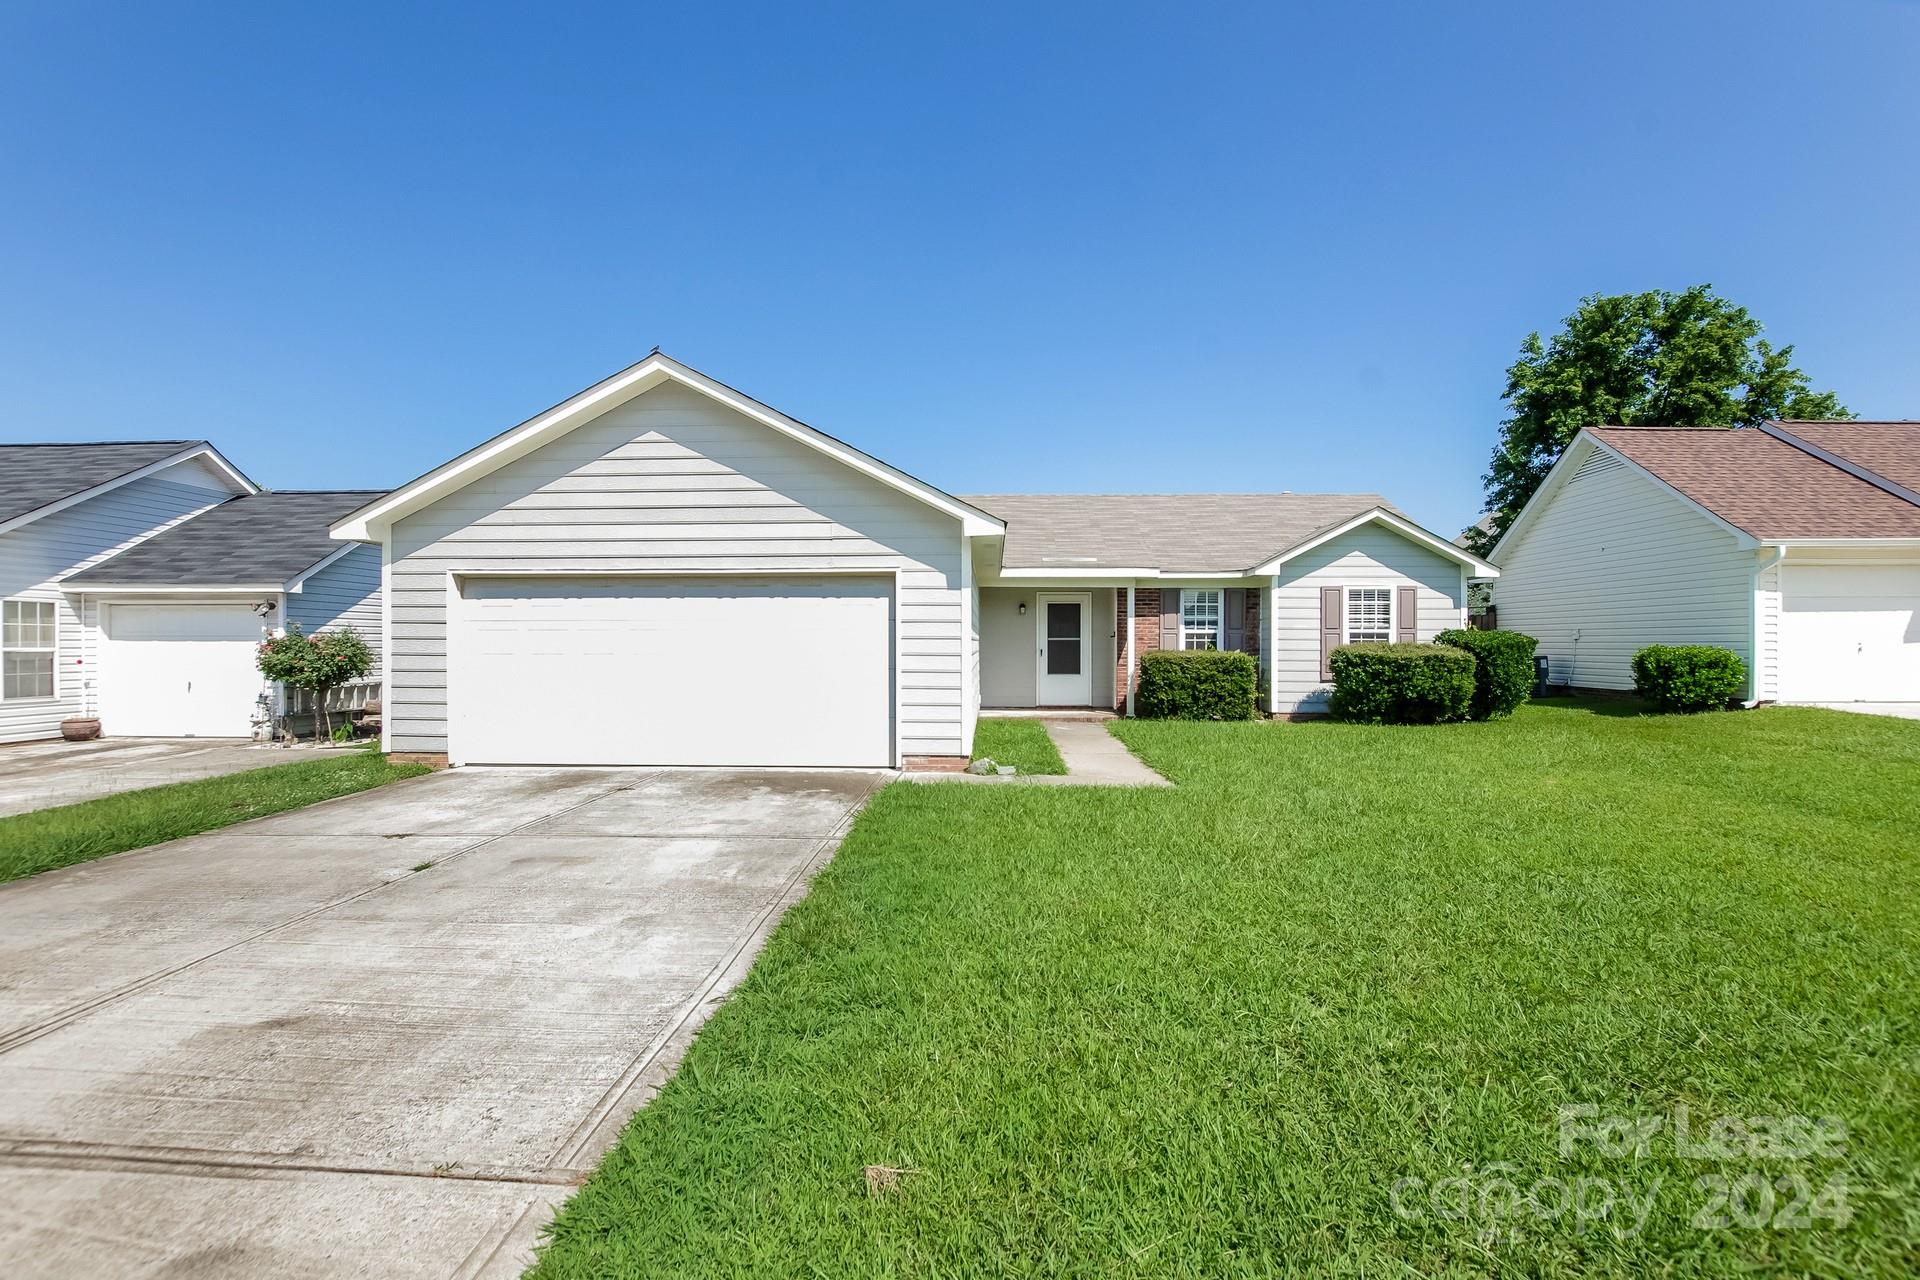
<point>1369,615</point>
<point>1199,619</point>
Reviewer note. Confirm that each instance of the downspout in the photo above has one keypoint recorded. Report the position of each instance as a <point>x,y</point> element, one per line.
<point>1753,609</point>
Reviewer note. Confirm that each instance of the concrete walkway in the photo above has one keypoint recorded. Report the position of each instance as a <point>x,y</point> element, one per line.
<point>1094,758</point>
<point>41,775</point>
<point>381,1036</point>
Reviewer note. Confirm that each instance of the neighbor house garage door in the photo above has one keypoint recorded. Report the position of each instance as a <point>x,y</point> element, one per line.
<point>680,671</point>
<point>179,670</point>
<point>1850,633</point>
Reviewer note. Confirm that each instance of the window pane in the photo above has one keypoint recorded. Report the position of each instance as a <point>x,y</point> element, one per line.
<point>1063,619</point>
<point>1369,615</point>
<point>26,675</point>
<point>27,624</point>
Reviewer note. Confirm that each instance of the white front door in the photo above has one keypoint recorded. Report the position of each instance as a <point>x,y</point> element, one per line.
<point>745,670</point>
<point>1850,633</point>
<point>1065,676</point>
<point>179,671</point>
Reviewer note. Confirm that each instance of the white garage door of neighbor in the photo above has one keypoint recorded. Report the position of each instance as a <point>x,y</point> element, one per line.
<point>179,671</point>
<point>1850,633</point>
<point>682,671</point>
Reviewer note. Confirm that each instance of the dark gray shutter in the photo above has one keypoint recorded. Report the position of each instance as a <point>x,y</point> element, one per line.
<point>1330,628</point>
<point>1233,618</point>
<point>1170,617</point>
<point>1406,617</point>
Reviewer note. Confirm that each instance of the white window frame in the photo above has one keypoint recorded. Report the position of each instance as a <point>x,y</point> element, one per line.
<point>52,651</point>
<point>1346,615</point>
<point>1192,596</point>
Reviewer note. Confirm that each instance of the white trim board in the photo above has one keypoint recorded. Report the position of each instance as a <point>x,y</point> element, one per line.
<point>1386,519</point>
<point>368,523</point>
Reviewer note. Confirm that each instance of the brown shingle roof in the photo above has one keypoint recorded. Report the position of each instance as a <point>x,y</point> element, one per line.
<point>1764,485</point>
<point>1172,532</point>
<point>1889,449</point>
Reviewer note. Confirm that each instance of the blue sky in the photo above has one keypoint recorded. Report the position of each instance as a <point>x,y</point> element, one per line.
<point>1034,248</point>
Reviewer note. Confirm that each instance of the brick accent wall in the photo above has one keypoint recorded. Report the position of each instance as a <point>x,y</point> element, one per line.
<point>1146,635</point>
<point>1146,631</point>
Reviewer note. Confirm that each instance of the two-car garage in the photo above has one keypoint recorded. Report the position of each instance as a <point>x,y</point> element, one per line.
<point>748,669</point>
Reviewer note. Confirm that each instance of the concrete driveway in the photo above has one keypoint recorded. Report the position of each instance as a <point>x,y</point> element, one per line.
<point>384,1035</point>
<point>40,775</point>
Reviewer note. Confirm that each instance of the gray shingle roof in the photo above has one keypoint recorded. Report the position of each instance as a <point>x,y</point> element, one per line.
<point>1171,532</point>
<point>261,538</point>
<point>34,475</point>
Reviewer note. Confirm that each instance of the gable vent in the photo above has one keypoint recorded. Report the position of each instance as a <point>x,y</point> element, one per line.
<point>1599,463</point>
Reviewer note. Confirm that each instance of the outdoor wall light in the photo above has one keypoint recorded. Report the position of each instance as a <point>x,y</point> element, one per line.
<point>1023,608</point>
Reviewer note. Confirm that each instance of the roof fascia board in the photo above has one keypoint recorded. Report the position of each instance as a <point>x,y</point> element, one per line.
<point>1853,469</point>
<point>1865,543</point>
<point>166,589</point>
<point>366,524</point>
<point>207,451</point>
<point>1089,571</point>
<point>1381,516</point>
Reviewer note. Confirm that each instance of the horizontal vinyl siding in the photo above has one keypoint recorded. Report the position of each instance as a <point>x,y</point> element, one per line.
<point>672,481</point>
<point>1616,562</point>
<point>345,594</point>
<point>1766,603</point>
<point>34,557</point>
<point>1369,556</point>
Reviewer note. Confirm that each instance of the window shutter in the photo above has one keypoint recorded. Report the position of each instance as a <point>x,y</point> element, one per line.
<point>1169,617</point>
<point>1233,619</point>
<point>1406,616</point>
<point>1331,629</point>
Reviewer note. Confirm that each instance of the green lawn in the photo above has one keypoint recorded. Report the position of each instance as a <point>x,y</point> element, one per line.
<point>47,838</point>
<point>1206,1031</point>
<point>1021,743</point>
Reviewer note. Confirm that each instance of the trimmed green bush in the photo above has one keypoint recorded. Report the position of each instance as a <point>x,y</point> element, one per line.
<point>1503,669</point>
<point>1402,683</point>
<point>1196,684</point>
<point>1689,677</point>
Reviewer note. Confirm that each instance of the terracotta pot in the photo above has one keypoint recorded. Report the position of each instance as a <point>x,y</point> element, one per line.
<point>80,728</point>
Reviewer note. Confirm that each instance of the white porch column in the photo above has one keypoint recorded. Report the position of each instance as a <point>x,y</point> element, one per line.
<point>1129,649</point>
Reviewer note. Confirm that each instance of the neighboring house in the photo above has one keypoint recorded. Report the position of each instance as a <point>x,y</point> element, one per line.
<point>1794,544</point>
<point>63,509</point>
<point>661,570</point>
<point>172,623</point>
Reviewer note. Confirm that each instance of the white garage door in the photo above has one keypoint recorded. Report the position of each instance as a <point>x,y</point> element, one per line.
<point>179,671</point>
<point>1850,633</point>
<point>683,671</point>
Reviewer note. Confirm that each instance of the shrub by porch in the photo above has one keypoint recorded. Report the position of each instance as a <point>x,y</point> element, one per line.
<point>1196,684</point>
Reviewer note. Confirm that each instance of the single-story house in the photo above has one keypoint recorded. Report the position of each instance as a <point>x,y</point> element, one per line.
<point>172,623</point>
<point>136,577</point>
<point>662,570</point>
<point>63,509</point>
<point>1794,544</point>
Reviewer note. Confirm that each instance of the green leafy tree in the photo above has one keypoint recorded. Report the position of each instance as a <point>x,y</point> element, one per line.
<point>1656,359</point>
<point>315,663</point>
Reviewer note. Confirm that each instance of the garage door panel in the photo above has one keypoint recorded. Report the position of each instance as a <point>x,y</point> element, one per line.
<point>179,670</point>
<point>693,671</point>
<point>1850,633</point>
